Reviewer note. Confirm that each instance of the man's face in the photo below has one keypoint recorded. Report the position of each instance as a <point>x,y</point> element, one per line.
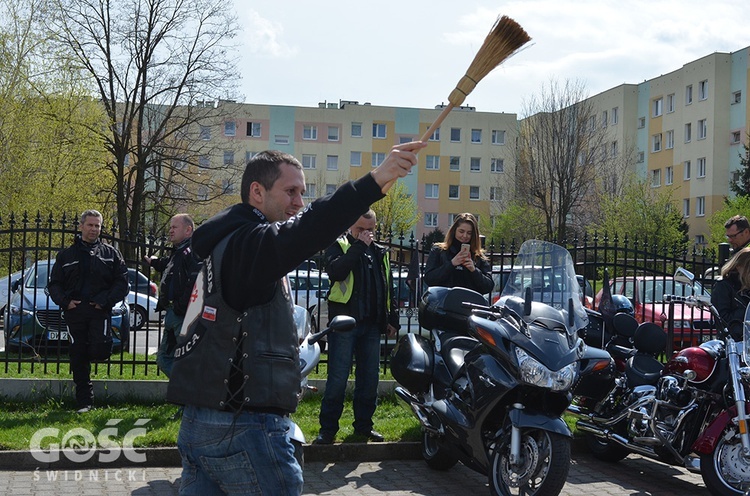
<point>363,225</point>
<point>91,228</point>
<point>179,230</point>
<point>737,237</point>
<point>284,199</point>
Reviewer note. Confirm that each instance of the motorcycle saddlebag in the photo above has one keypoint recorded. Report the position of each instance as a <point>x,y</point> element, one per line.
<point>443,308</point>
<point>411,363</point>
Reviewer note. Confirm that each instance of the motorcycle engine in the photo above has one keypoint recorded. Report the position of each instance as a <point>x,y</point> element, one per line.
<point>670,390</point>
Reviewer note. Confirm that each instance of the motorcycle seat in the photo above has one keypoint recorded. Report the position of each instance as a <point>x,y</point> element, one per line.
<point>643,370</point>
<point>453,350</point>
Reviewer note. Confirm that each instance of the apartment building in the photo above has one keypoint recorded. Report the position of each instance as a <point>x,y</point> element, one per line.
<point>682,131</point>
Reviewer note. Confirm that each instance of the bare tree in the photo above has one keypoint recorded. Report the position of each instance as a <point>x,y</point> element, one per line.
<point>156,66</point>
<point>559,152</point>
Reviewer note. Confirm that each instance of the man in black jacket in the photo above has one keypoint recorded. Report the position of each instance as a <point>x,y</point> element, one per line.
<point>179,271</point>
<point>361,273</point>
<point>87,280</point>
<point>236,366</point>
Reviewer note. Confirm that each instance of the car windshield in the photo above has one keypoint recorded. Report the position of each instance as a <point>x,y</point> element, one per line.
<point>38,276</point>
<point>548,270</point>
<point>655,289</point>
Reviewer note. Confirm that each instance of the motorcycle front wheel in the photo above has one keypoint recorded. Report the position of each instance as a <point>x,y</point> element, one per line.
<point>543,468</point>
<point>726,471</point>
<point>436,456</point>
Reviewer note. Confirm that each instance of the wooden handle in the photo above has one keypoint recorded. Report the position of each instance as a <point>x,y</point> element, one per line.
<point>425,137</point>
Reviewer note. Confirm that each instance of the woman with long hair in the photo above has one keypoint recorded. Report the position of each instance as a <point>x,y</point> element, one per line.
<point>460,260</point>
<point>731,294</point>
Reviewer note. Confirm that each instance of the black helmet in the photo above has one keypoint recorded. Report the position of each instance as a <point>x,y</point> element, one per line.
<point>622,304</point>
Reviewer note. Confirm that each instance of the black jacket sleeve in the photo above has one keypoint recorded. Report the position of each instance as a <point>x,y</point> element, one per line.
<point>482,276</point>
<point>339,264</point>
<point>724,298</point>
<point>56,284</point>
<point>119,287</point>
<point>438,270</point>
<point>191,265</point>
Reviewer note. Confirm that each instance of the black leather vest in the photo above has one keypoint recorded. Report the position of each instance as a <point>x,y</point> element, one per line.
<point>229,360</point>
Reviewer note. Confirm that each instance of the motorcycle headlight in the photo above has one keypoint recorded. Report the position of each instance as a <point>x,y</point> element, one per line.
<point>535,373</point>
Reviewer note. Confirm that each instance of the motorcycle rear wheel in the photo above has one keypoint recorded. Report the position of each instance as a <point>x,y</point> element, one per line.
<point>726,471</point>
<point>436,456</point>
<point>544,468</point>
<point>605,450</point>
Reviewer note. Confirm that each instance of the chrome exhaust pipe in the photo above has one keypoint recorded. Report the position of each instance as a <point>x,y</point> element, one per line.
<point>611,436</point>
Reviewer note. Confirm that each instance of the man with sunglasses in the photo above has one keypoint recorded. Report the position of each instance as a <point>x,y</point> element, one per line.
<point>737,230</point>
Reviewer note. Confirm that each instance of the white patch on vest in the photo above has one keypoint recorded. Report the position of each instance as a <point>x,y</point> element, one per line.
<point>195,305</point>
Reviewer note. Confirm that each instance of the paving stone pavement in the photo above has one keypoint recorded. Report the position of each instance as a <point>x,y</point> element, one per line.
<point>634,476</point>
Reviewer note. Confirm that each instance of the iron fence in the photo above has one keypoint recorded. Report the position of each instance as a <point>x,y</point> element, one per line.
<point>640,270</point>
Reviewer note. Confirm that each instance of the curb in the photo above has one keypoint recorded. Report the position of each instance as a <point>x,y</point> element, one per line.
<point>170,456</point>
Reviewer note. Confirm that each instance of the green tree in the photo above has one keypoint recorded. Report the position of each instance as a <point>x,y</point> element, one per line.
<point>739,205</point>
<point>516,223</point>
<point>741,186</point>
<point>397,213</point>
<point>642,212</point>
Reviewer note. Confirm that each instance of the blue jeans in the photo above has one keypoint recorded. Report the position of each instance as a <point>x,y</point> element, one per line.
<point>247,454</point>
<point>165,354</point>
<point>362,343</point>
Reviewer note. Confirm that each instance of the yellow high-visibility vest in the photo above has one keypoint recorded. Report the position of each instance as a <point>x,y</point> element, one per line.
<point>341,291</point>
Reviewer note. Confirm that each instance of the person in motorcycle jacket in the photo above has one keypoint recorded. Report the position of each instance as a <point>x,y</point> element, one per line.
<point>236,367</point>
<point>731,294</point>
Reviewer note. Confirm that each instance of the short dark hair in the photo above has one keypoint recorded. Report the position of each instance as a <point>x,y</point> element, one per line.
<point>264,169</point>
<point>738,220</point>
<point>91,213</point>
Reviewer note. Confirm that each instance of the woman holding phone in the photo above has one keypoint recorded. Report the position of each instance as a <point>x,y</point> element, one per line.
<point>460,260</point>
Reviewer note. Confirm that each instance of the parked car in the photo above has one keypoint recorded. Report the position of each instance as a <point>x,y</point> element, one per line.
<point>691,326</point>
<point>139,283</point>
<point>34,322</point>
<point>142,309</point>
<point>6,285</point>
<point>545,283</point>
<point>310,290</point>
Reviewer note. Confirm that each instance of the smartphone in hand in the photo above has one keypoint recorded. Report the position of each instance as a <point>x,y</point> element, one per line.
<point>465,247</point>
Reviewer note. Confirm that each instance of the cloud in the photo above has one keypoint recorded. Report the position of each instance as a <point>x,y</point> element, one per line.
<point>264,37</point>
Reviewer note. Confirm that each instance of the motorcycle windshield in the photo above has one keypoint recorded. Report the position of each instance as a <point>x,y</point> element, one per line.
<point>548,270</point>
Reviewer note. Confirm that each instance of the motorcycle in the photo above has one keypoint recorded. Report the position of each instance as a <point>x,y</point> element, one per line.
<point>309,356</point>
<point>690,412</point>
<point>491,385</point>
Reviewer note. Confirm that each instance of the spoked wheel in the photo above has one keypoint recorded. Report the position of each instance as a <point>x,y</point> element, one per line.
<point>436,456</point>
<point>541,471</point>
<point>726,471</point>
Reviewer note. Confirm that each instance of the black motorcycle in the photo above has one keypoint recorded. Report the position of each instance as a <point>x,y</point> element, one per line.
<point>491,385</point>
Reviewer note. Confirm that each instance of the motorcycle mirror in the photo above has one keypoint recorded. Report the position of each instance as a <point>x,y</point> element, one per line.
<point>527,301</point>
<point>684,276</point>
<point>340,323</point>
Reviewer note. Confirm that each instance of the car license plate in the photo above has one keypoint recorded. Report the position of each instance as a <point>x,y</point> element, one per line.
<point>55,335</point>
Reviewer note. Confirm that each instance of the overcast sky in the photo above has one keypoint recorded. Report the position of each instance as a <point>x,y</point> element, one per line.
<point>411,53</point>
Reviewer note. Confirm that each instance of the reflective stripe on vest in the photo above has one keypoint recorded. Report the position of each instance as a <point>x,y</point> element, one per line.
<point>341,291</point>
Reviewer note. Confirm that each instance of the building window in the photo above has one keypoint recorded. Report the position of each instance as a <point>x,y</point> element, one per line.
<point>498,137</point>
<point>656,143</point>
<point>430,219</point>
<point>230,128</point>
<point>281,139</point>
<point>227,187</point>
<point>686,170</point>
<point>473,192</point>
<point>476,135</point>
<point>330,188</point>
<point>605,118</point>
<point>435,136</point>
<point>670,103</point>
<point>657,107</point>
<point>670,139</point>
<point>253,129</point>
<point>700,206</point>
<point>453,192</point>
<point>703,90</point>
<point>202,193</point>
<point>309,190</point>
<point>204,162</point>
<point>592,123</point>
<point>688,132</point>
<point>615,115</point>
<point>656,178</point>
<point>228,157</point>
<point>455,134</point>
<point>669,175</point>
<point>355,159</point>
<point>249,155</point>
<point>356,129</point>
<point>433,162</point>
<point>377,158</point>
<point>497,165</point>
<point>735,137</point>
<point>476,164</point>
<point>686,207</point>
<point>332,162</point>
<point>494,193</point>
<point>641,157</point>
<point>309,161</point>
<point>333,133</point>
<point>737,97</point>
<point>205,133</point>
<point>309,133</point>
<point>702,129</point>
<point>700,239</point>
<point>378,131</point>
<point>431,190</point>
<point>688,94</point>
<point>701,167</point>
<point>455,163</point>
<point>614,148</point>
<point>641,122</point>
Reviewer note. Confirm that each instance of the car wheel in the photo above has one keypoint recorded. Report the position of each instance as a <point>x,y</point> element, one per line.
<point>138,317</point>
